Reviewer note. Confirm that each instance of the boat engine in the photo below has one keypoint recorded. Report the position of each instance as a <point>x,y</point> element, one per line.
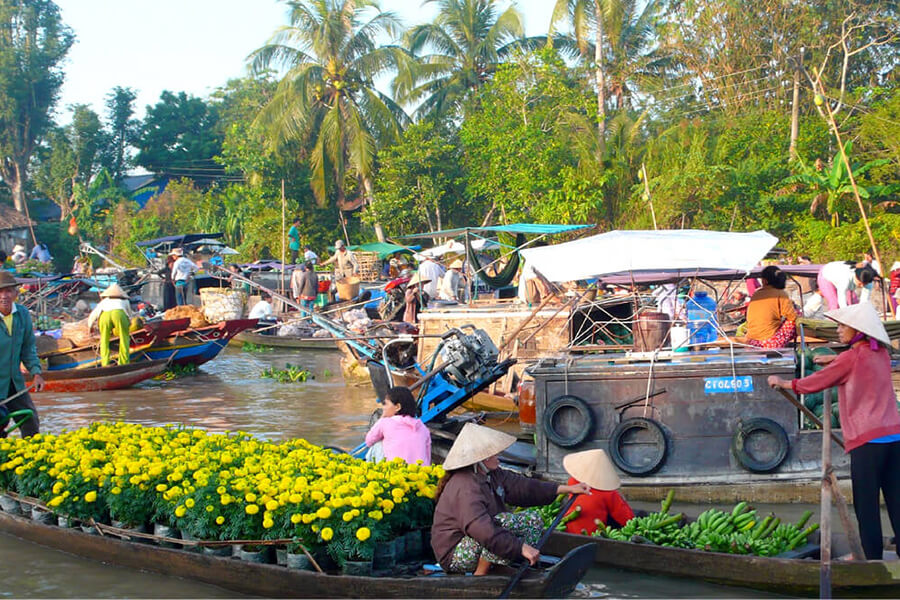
<point>471,356</point>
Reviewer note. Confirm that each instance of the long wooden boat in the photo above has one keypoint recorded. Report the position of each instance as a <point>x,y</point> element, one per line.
<point>184,346</point>
<point>272,581</point>
<point>800,576</point>
<point>286,341</point>
<point>102,378</point>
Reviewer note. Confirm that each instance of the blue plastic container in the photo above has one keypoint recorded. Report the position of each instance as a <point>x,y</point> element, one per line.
<point>701,313</point>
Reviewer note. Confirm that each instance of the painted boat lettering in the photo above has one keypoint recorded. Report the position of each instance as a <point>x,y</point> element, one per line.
<point>727,385</point>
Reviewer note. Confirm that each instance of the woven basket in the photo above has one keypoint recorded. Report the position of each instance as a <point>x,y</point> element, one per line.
<point>369,265</point>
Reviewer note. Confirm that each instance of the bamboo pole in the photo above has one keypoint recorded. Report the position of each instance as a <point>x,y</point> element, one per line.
<point>283,255</point>
<point>825,504</point>
<point>649,197</point>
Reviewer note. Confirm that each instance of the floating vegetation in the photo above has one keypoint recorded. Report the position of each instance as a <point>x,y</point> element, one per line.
<point>176,371</point>
<point>251,347</point>
<point>289,374</point>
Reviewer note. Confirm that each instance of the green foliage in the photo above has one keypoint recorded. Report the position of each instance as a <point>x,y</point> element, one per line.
<point>289,374</point>
<point>63,247</point>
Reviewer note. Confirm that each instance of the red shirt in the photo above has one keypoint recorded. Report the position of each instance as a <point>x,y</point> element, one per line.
<point>599,505</point>
<point>866,397</point>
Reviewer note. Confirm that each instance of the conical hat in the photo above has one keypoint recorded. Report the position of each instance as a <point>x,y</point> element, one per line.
<point>594,468</point>
<point>476,443</point>
<point>863,318</point>
<point>416,279</point>
<point>114,291</point>
<point>457,264</point>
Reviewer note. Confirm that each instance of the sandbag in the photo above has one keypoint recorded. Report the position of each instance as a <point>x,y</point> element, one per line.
<point>222,304</point>
<point>77,332</point>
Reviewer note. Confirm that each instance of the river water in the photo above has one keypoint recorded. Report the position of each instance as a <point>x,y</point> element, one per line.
<point>228,394</point>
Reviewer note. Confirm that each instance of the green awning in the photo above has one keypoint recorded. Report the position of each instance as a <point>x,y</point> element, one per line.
<point>526,228</point>
<point>384,249</point>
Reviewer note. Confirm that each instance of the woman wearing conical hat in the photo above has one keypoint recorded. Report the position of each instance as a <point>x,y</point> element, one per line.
<point>113,316</point>
<point>472,526</point>
<point>604,503</point>
<point>870,421</point>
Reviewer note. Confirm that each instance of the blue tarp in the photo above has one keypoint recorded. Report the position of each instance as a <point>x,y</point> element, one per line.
<point>527,228</point>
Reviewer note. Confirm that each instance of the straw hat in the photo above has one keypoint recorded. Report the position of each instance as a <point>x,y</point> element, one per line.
<point>863,318</point>
<point>896,265</point>
<point>7,280</point>
<point>594,468</point>
<point>457,264</point>
<point>114,291</point>
<point>474,444</point>
<point>338,244</point>
<point>416,279</point>
<point>177,252</point>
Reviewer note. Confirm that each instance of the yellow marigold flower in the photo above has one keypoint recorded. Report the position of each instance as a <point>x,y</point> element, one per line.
<point>115,491</point>
<point>250,497</point>
<point>308,518</point>
<point>327,533</point>
<point>161,487</point>
<point>267,523</point>
<point>296,518</point>
<point>272,505</point>
<point>363,533</point>
<point>251,509</point>
<point>210,508</point>
<point>220,519</point>
<point>56,501</point>
<point>295,498</point>
<point>225,500</point>
<point>323,512</point>
<point>180,511</point>
<point>348,516</point>
<point>90,496</point>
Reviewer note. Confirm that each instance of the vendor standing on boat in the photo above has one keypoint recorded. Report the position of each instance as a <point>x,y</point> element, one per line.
<point>345,264</point>
<point>415,298</point>
<point>294,240</point>
<point>604,503</point>
<point>17,347</point>
<point>870,421</point>
<point>182,270</point>
<point>472,526</point>
<point>113,316</point>
<point>840,281</point>
<point>771,319</point>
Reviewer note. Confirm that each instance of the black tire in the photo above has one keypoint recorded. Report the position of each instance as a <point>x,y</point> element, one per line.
<point>583,418</point>
<point>766,426</point>
<point>655,436</point>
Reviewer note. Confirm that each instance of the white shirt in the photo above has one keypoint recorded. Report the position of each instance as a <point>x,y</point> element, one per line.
<point>843,277</point>
<point>449,285</point>
<point>108,304</point>
<point>432,271</point>
<point>260,310</point>
<point>182,268</point>
<point>310,256</point>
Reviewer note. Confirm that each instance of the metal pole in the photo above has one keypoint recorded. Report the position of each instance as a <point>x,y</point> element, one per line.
<point>825,504</point>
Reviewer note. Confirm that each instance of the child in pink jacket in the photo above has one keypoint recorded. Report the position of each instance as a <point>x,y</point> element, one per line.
<point>402,433</point>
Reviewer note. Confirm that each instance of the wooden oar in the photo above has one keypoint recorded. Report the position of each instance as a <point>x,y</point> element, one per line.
<point>809,414</point>
<point>562,513</point>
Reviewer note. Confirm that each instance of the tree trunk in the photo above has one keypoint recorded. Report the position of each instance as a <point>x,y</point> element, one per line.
<point>13,175</point>
<point>367,187</point>
<point>795,110</point>
<point>600,76</point>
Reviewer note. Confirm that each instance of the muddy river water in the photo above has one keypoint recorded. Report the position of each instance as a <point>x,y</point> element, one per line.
<point>228,394</point>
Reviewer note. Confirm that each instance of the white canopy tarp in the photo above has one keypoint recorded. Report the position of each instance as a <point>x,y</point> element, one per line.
<point>624,251</point>
<point>454,247</point>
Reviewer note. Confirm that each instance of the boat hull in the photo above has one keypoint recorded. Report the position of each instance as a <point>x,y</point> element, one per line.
<point>875,578</point>
<point>271,581</point>
<point>277,341</point>
<point>101,378</point>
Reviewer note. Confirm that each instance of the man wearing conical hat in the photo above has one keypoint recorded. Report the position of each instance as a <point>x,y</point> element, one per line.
<point>472,527</point>
<point>113,316</point>
<point>17,348</point>
<point>604,503</point>
<point>870,420</point>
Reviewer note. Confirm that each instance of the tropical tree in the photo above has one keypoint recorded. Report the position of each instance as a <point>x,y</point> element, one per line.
<point>832,185</point>
<point>327,98</point>
<point>33,43</point>
<point>124,129</point>
<point>462,48</point>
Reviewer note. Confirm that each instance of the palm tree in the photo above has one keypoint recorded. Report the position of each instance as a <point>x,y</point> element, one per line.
<point>466,42</point>
<point>327,97</point>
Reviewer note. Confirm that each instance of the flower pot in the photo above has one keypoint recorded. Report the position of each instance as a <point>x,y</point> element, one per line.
<point>426,543</point>
<point>166,531</point>
<point>400,548</point>
<point>142,528</point>
<point>281,556</point>
<point>190,538</point>
<point>384,556</point>
<point>217,550</point>
<point>255,554</point>
<point>298,561</point>
<point>89,529</point>
<point>39,515</point>
<point>10,505</point>
<point>362,568</point>
<point>413,545</point>
<point>65,522</point>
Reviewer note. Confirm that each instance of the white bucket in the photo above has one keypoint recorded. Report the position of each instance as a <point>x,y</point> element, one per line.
<point>679,335</point>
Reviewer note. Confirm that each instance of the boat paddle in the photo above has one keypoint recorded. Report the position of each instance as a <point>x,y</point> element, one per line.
<point>17,394</point>
<point>559,517</point>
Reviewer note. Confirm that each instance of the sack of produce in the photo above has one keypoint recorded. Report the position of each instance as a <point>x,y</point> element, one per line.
<point>222,304</point>
<point>77,332</point>
<point>187,311</point>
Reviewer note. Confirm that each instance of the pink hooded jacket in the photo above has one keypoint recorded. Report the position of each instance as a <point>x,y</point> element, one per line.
<point>403,436</point>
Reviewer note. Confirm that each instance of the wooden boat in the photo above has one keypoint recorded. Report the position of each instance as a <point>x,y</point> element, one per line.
<point>286,341</point>
<point>183,346</point>
<point>102,378</point>
<point>800,576</point>
<point>274,581</point>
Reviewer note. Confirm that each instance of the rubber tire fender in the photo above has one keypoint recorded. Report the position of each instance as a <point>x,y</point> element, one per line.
<point>584,412</point>
<point>656,431</point>
<point>744,429</point>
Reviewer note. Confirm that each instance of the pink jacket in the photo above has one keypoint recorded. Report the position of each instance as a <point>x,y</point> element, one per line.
<point>404,436</point>
<point>866,397</point>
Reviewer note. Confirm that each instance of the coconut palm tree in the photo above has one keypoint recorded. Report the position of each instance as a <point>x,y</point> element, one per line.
<point>327,97</point>
<point>462,49</point>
